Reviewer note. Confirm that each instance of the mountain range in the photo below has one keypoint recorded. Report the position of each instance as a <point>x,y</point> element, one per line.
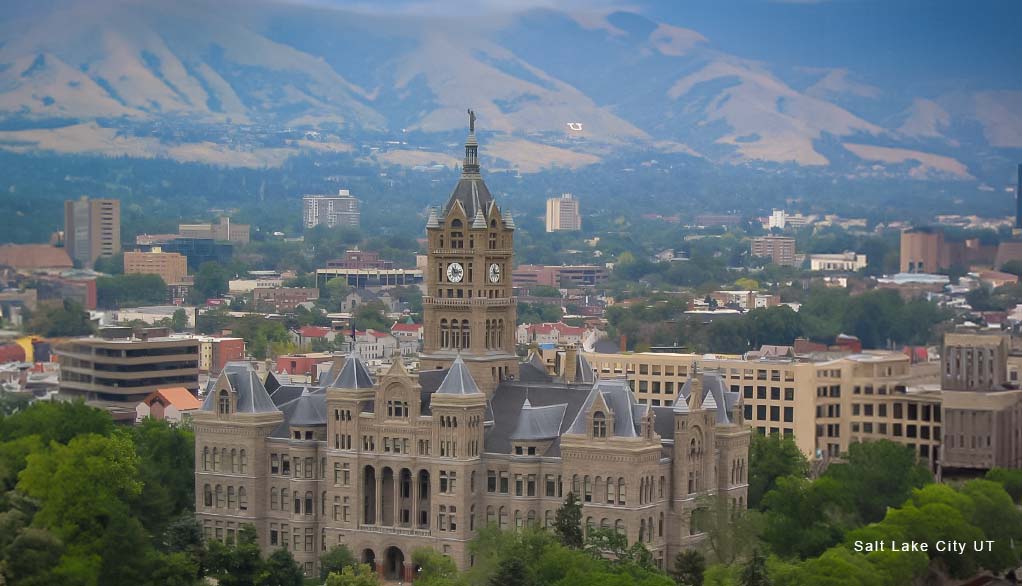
<point>252,83</point>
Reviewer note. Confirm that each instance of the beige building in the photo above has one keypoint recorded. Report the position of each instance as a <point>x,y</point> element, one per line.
<point>779,249</point>
<point>845,262</point>
<point>92,228</point>
<point>562,214</point>
<point>224,229</point>
<point>427,459</point>
<point>127,369</point>
<point>823,403</point>
<point>922,251</point>
<point>981,402</point>
<point>172,267</point>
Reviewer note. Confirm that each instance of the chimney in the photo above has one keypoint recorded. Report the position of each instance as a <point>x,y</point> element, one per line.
<point>570,363</point>
<point>624,343</point>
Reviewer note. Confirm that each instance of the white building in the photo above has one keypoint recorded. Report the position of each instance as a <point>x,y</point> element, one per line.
<point>782,220</point>
<point>845,262</point>
<point>153,314</point>
<point>562,214</point>
<point>330,210</point>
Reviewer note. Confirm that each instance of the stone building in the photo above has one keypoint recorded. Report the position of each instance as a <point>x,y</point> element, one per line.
<point>427,459</point>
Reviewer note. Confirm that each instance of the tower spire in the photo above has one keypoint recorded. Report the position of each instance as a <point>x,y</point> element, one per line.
<point>470,167</point>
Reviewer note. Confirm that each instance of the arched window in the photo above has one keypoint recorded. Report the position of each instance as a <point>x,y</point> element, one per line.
<point>503,517</point>
<point>308,503</point>
<point>285,500</point>
<point>232,501</point>
<point>604,523</point>
<point>205,458</point>
<point>599,424</point>
<point>224,402</point>
<point>490,516</point>
<point>274,499</point>
<point>518,519</point>
<point>548,518</point>
<point>587,490</point>
<point>216,459</point>
<point>619,526</point>
<point>621,488</point>
<point>445,334</point>
<point>244,462</point>
<point>642,530</point>
<point>465,340</point>
<point>242,499</point>
<point>660,526</point>
<point>663,483</point>
<point>610,490</point>
<point>234,461</point>
<point>220,496</point>
<point>207,496</point>
<point>530,520</point>
<point>472,518</point>
<point>455,333</point>
<point>487,337</point>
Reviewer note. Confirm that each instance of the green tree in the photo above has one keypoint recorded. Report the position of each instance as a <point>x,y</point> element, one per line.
<point>877,475</point>
<point>111,265</point>
<point>66,320</point>
<point>333,292</point>
<point>238,564</point>
<point>730,532</point>
<point>31,557</point>
<point>280,569</point>
<point>511,572</point>
<point>371,316</point>
<point>357,575</point>
<point>211,281</point>
<point>754,573</point>
<point>689,567</point>
<point>166,456</point>
<point>130,291</point>
<point>335,560</point>
<point>568,523</point>
<point>772,457</point>
<point>435,569</point>
<point>1011,479</point>
<point>172,569</point>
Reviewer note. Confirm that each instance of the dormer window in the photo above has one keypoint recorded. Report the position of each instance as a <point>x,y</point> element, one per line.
<point>224,403</point>
<point>599,424</point>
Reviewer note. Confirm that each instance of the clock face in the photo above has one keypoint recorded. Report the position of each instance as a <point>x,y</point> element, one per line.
<point>454,272</point>
<point>494,273</point>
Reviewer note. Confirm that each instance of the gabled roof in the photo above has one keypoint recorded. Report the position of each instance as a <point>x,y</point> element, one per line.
<point>313,331</point>
<point>179,397</point>
<point>618,397</point>
<point>403,327</point>
<point>243,380</point>
<point>459,380</point>
<point>353,375</point>
<point>583,370</point>
<point>716,396</point>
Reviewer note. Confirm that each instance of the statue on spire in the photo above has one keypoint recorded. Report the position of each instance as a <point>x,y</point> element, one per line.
<point>471,120</point>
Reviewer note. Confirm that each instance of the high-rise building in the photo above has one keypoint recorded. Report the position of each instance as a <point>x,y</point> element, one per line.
<point>779,249</point>
<point>170,266</point>
<point>562,214</point>
<point>428,459</point>
<point>331,210</point>
<point>92,228</point>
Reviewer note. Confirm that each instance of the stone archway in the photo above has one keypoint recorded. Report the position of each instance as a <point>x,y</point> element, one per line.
<point>393,564</point>
<point>369,557</point>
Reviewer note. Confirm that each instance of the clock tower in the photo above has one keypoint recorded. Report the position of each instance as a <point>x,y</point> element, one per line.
<point>468,308</point>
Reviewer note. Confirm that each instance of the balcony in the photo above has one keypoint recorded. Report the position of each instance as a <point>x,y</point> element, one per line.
<point>468,302</point>
<point>386,530</point>
<point>469,251</point>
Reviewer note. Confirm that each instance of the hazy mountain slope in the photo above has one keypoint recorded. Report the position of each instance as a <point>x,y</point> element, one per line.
<point>263,79</point>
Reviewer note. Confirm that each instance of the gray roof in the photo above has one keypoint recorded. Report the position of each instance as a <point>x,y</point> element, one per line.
<point>583,370</point>
<point>353,375</point>
<point>533,370</point>
<point>310,409</point>
<point>250,394</point>
<point>606,347</point>
<point>506,406</point>
<point>459,380</point>
<point>716,396</point>
<point>539,423</point>
<point>619,399</point>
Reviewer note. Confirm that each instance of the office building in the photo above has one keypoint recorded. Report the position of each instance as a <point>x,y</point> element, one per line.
<point>196,250</point>
<point>332,211</point>
<point>223,229</point>
<point>562,214</point>
<point>824,402</point>
<point>170,266</point>
<point>92,228</point>
<point>277,299</point>
<point>779,249</point>
<point>567,276</point>
<point>847,262</point>
<point>127,368</point>
<point>428,459</point>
